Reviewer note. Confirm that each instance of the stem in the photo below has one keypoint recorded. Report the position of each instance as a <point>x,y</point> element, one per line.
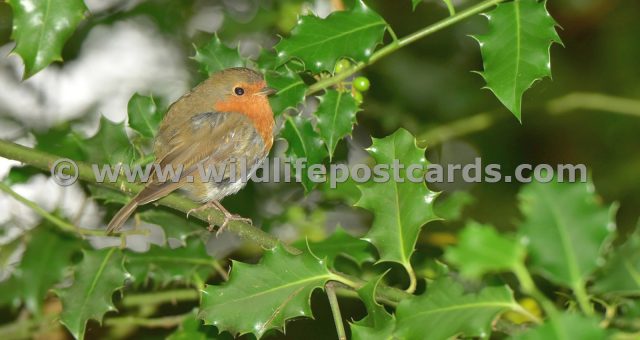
<point>397,44</point>
<point>582,297</point>
<point>594,101</point>
<point>60,223</point>
<point>335,310</point>
<point>457,128</point>
<point>530,288</point>
<point>162,322</point>
<point>172,296</point>
<point>413,281</point>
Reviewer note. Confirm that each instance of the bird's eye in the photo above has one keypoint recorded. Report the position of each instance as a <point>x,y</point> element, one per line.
<point>239,91</point>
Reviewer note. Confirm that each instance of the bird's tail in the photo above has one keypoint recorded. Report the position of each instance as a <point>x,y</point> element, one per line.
<point>118,220</point>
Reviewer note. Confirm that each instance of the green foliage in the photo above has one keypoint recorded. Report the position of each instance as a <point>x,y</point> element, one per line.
<point>175,226</point>
<point>162,265</point>
<point>336,115</point>
<point>291,90</point>
<point>319,43</point>
<point>100,273</point>
<point>378,324</point>
<point>621,275</point>
<point>482,250</point>
<point>304,144</point>
<point>400,208</point>
<point>43,265</point>
<point>40,29</point>
<point>144,115</point>
<point>447,311</point>
<point>261,297</point>
<point>566,229</point>
<point>215,56</point>
<point>341,243</point>
<point>110,145</point>
<point>515,51</point>
<point>566,327</point>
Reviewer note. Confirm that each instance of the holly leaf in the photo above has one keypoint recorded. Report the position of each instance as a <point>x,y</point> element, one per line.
<point>215,56</point>
<point>110,145</point>
<point>400,208</point>
<point>566,327</point>
<point>62,141</point>
<point>336,115</point>
<point>89,297</point>
<point>47,257</point>
<point>40,29</point>
<point>566,229</point>
<point>174,225</point>
<point>163,265</point>
<point>447,312</point>
<point>319,43</point>
<point>144,115</point>
<point>378,324</point>
<point>482,250</point>
<point>291,90</point>
<point>515,51</point>
<point>341,243</point>
<point>193,329</point>
<point>621,273</point>
<point>304,145</point>
<point>263,296</point>
<point>450,207</point>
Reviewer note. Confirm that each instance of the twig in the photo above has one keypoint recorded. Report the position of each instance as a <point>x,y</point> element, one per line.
<point>60,223</point>
<point>400,43</point>
<point>335,310</point>
<point>161,322</point>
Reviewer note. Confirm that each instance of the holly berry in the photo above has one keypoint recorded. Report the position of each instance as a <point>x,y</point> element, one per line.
<point>357,95</point>
<point>342,65</point>
<point>361,84</point>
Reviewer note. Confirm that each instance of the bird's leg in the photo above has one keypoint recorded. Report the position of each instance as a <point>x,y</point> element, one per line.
<point>205,206</point>
<point>228,217</point>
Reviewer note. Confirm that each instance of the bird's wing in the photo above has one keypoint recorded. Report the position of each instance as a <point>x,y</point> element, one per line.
<point>209,138</point>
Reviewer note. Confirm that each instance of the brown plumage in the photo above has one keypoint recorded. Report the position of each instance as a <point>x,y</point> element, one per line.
<point>224,119</point>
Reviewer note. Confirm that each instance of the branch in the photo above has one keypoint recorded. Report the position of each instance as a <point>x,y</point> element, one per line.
<point>400,43</point>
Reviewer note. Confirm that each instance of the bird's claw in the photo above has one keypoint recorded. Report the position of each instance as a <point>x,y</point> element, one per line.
<point>229,218</point>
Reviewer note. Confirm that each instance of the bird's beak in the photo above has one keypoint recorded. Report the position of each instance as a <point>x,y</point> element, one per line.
<point>266,91</point>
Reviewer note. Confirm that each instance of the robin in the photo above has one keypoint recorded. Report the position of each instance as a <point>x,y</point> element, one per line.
<point>224,120</point>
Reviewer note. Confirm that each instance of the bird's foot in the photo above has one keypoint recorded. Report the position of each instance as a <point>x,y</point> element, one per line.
<point>229,218</point>
<point>203,207</point>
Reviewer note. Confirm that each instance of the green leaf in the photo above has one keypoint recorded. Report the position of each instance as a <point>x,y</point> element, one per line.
<point>291,89</point>
<point>89,297</point>
<point>47,257</point>
<point>566,327</point>
<point>341,243</point>
<point>215,56</point>
<point>110,145</point>
<point>445,311</point>
<point>164,265</point>
<point>621,273</point>
<point>304,144</point>
<point>450,207</point>
<point>336,115</point>
<point>482,250</point>
<point>415,3</point>
<point>378,324</point>
<point>261,297</point>
<point>175,225</point>
<point>144,115</point>
<point>516,52</point>
<point>400,209</point>
<point>319,43</point>
<point>566,229</point>
<point>40,29</point>
<point>108,195</point>
<point>62,141</point>
<point>193,329</point>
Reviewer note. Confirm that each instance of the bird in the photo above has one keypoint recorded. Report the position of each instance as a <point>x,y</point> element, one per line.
<point>224,119</point>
